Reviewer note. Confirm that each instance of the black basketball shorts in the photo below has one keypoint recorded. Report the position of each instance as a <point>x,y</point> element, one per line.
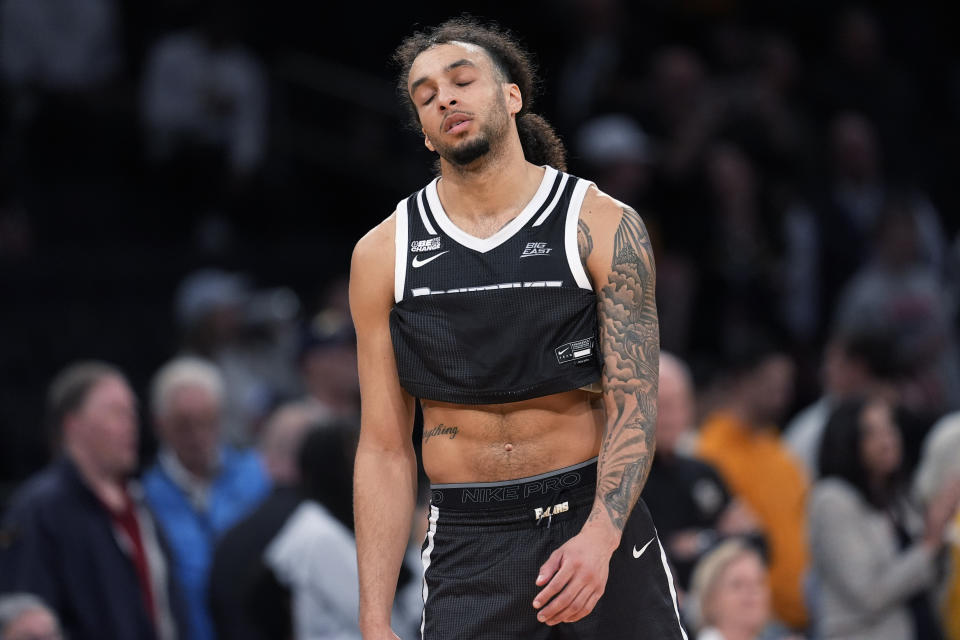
<point>486,542</point>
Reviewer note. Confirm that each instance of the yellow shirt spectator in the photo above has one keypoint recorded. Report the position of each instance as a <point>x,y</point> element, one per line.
<point>759,469</point>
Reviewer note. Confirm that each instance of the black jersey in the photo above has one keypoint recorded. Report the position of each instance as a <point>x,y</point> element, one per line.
<point>498,319</point>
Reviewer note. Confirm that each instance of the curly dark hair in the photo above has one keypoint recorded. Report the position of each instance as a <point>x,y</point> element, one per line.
<point>541,144</point>
<point>840,453</point>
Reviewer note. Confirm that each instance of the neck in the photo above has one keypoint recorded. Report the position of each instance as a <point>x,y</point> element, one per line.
<point>109,488</point>
<point>737,632</point>
<point>742,411</point>
<point>493,188</point>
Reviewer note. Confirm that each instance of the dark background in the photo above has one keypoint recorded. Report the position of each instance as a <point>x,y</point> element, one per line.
<point>94,238</point>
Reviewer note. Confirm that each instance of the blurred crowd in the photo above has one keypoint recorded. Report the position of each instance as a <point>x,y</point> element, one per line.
<point>181,184</point>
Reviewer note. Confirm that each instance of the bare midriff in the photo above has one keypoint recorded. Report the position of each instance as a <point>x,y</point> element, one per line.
<point>495,442</point>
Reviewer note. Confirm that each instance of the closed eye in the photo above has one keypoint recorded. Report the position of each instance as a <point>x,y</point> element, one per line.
<point>463,84</point>
<point>428,101</point>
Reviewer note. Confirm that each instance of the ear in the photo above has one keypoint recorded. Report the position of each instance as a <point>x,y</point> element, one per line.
<point>70,424</point>
<point>426,141</point>
<point>511,95</point>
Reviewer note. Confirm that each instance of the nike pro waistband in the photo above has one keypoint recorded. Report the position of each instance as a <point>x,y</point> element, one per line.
<point>514,493</point>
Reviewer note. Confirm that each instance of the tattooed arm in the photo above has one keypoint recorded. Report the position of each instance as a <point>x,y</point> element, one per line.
<point>615,248</point>
<point>630,344</point>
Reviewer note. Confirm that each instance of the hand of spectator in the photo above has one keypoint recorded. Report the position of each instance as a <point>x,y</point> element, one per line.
<point>689,543</point>
<point>737,519</point>
<point>940,513</point>
<point>575,576</point>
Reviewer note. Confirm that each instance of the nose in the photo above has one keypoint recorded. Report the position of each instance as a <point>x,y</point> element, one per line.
<point>446,100</point>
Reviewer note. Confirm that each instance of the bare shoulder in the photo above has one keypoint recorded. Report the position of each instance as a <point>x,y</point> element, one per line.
<point>601,209</point>
<point>372,247</point>
<point>372,265</point>
<point>608,227</point>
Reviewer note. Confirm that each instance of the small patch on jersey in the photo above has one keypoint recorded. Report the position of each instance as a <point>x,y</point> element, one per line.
<point>574,351</point>
<point>425,245</point>
<point>536,249</point>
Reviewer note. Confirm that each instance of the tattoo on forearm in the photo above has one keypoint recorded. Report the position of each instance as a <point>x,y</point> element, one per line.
<point>630,334</point>
<point>440,430</point>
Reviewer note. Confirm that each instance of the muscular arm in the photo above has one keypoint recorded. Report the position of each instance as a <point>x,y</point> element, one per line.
<point>385,471</point>
<point>630,345</point>
<point>615,247</point>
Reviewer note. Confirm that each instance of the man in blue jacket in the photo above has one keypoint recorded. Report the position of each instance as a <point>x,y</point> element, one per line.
<point>198,487</point>
<point>78,534</point>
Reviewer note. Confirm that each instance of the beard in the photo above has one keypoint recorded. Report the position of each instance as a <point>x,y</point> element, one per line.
<point>469,151</point>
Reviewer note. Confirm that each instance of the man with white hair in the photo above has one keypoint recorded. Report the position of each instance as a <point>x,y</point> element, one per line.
<point>198,487</point>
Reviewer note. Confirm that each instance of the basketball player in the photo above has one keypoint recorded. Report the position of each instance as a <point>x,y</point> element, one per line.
<point>517,303</point>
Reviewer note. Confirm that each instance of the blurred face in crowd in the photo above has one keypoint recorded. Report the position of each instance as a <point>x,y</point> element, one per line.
<point>463,105</point>
<point>678,82</point>
<point>331,372</point>
<point>674,406</point>
<point>842,374</point>
<point>190,425</point>
<point>855,151</point>
<point>103,430</point>
<point>897,242</point>
<point>33,624</point>
<point>880,447</point>
<point>731,175</point>
<point>740,598</point>
<point>769,388</point>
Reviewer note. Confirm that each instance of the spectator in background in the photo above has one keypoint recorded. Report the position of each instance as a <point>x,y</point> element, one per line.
<point>198,488</point>
<point>854,364</point>
<point>250,334</point>
<point>204,91</point>
<point>740,438</point>
<point>899,295</point>
<point>26,617</point>
<point>328,365</point>
<point>77,534</point>
<point>874,561</point>
<point>241,607</point>
<point>65,46</point>
<point>738,253</point>
<point>314,554</point>
<point>730,596</point>
<point>854,204</point>
<point>939,466</point>
<point>590,73</point>
<point>686,497</point>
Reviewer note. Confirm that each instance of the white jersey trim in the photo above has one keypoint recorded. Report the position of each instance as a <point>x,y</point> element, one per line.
<point>570,235</point>
<point>423,214</point>
<point>673,591</point>
<point>483,245</point>
<point>425,557</point>
<point>553,203</point>
<point>400,237</point>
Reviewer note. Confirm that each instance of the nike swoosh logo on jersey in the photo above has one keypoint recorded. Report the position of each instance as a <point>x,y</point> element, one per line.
<point>417,262</point>
<point>637,554</point>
